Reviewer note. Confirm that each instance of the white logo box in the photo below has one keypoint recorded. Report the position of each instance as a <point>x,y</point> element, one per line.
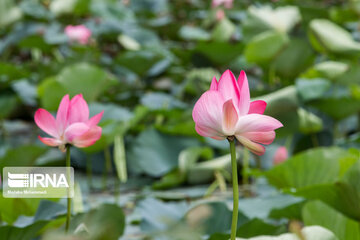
<point>38,182</point>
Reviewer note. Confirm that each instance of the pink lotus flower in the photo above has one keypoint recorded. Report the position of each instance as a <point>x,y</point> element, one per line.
<point>220,14</point>
<point>72,124</point>
<point>280,155</point>
<point>227,3</point>
<point>225,110</point>
<point>79,33</point>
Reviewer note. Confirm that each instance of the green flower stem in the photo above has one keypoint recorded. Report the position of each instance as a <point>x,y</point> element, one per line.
<point>68,165</point>
<point>89,170</point>
<point>235,188</point>
<point>245,172</point>
<point>314,140</point>
<point>258,162</point>
<point>117,190</point>
<point>107,167</point>
<point>337,132</point>
<point>288,142</point>
<point>245,167</point>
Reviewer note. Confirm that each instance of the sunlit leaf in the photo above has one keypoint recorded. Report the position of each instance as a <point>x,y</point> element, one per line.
<point>309,233</point>
<point>294,59</point>
<point>75,77</point>
<point>257,227</point>
<point>317,166</point>
<point>223,30</point>
<point>193,33</point>
<point>110,216</point>
<point>7,104</point>
<point>265,46</point>
<point>282,18</point>
<point>120,158</point>
<point>318,213</point>
<point>326,36</point>
<point>156,154</point>
<point>310,89</point>
<point>212,217</point>
<point>9,12</point>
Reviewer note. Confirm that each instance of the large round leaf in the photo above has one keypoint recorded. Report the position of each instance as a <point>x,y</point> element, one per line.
<point>87,79</point>
<point>156,154</point>
<point>318,213</point>
<point>315,166</point>
<point>327,174</point>
<point>193,33</point>
<point>283,100</point>
<point>338,107</point>
<point>212,217</point>
<point>265,46</point>
<point>309,233</point>
<point>260,19</point>
<point>281,19</point>
<point>106,222</point>
<point>50,92</point>
<point>83,78</point>
<point>343,195</point>
<point>327,36</point>
<point>294,59</point>
<point>220,53</point>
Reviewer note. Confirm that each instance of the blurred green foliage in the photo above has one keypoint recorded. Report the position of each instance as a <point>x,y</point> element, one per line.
<point>146,64</point>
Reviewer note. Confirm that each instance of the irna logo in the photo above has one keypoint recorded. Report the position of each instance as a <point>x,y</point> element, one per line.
<point>18,180</point>
<point>38,182</point>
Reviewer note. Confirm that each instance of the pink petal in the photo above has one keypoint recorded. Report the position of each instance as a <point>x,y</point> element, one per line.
<point>83,40</point>
<point>62,114</point>
<point>88,138</point>
<point>75,130</point>
<point>218,138</point>
<point>209,132</point>
<point>230,118</point>
<point>257,106</point>
<point>46,122</point>
<point>244,100</point>
<point>257,123</point>
<point>228,4</point>
<point>68,29</point>
<point>79,110</point>
<point>260,137</point>
<point>214,84</point>
<point>253,147</point>
<point>95,119</point>
<point>220,14</point>
<point>78,33</point>
<point>53,142</point>
<point>228,87</point>
<point>207,112</point>
<point>216,3</point>
<point>280,155</point>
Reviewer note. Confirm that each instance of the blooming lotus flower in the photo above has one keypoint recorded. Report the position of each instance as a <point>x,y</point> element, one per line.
<point>79,33</point>
<point>227,3</point>
<point>72,124</point>
<point>280,155</point>
<point>220,14</point>
<point>225,111</point>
